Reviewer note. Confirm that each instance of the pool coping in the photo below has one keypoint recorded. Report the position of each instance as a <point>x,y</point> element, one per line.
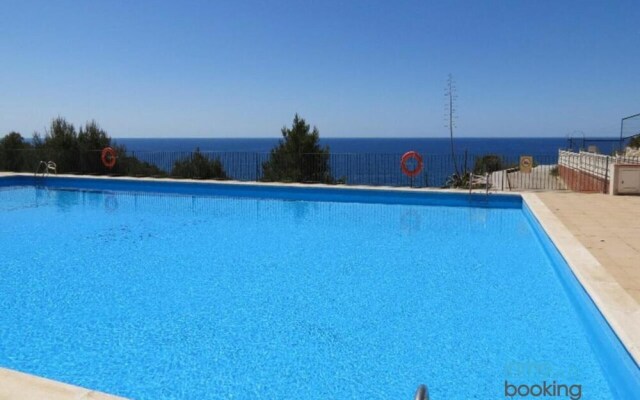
<point>265,184</point>
<point>619,309</point>
<point>18,385</point>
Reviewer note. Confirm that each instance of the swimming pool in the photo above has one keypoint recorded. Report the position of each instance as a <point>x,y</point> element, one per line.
<point>152,290</point>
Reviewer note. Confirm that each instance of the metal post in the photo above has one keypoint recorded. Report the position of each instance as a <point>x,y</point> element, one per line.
<point>422,393</point>
<point>621,144</point>
<point>606,177</point>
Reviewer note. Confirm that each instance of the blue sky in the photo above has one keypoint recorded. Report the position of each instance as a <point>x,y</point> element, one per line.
<point>353,68</point>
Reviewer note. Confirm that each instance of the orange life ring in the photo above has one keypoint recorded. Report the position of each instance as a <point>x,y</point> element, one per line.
<point>408,156</point>
<point>108,157</point>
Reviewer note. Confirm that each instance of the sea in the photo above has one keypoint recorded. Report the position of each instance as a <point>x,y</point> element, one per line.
<point>362,160</point>
<point>507,147</point>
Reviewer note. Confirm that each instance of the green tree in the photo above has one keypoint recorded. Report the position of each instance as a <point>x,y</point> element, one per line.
<point>91,140</point>
<point>298,157</point>
<point>60,144</point>
<point>198,166</point>
<point>14,153</point>
<point>635,142</point>
<point>487,164</point>
<point>81,151</point>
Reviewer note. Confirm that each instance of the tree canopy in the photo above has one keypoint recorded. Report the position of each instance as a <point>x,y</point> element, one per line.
<point>71,150</point>
<point>198,166</point>
<point>13,152</point>
<point>298,157</point>
<point>487,164</point>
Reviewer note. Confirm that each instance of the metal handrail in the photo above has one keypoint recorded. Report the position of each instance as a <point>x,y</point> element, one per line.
<point>422,393</point>
<point>480,180</point>
<point>49,166</point>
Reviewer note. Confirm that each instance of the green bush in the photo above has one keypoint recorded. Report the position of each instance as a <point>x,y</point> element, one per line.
<point>132,166</point>
<point>487,164</point>
<point>60,144</point>
<point>198,166</point>
<point>635,142</point>
<point>14,153</point>
<point>298,157</point>
<point>73,152</point>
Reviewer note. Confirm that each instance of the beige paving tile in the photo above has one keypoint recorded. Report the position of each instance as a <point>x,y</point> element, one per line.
<point>609,226</point>
<point>16,385</point>
<point>635,294</point>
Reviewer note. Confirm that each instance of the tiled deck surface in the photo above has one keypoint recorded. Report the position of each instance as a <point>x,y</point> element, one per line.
<point>608,226</point>
<point>19,386</point>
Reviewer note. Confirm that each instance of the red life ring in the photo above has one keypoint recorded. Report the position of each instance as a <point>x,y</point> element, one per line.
<point>108,157</point>
<point>408,156</point>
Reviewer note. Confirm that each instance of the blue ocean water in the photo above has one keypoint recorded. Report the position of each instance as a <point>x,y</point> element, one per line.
<point>359,161</point>
<point>510,147</point>
<point>175,296</point>
<point>506,147</point>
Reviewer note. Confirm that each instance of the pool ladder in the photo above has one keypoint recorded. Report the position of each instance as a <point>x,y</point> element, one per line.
<point>46,167</point>
<point>480,180</point>
<point>422,393</point>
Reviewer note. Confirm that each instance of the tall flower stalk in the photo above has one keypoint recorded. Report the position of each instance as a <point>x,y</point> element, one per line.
<point>450,116</point>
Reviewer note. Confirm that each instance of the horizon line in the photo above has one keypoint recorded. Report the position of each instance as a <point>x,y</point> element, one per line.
<point>360,137</point>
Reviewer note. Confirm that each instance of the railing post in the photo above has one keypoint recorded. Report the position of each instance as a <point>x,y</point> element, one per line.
<point>606,177</point>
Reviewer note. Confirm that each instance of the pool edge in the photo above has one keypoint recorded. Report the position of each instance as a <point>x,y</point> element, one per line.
<point>619,309</point>
<point>19,385</point>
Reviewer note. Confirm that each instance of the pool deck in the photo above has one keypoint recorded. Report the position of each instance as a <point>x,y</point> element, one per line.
<point>608,226</point>
<point>20,386</point>
<point>598,235</point>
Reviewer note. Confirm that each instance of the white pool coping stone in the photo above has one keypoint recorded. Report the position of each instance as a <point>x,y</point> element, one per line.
<point>620,310</point>
<point>618,307</point>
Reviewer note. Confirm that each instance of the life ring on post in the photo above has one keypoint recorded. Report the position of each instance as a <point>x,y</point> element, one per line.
<point>108,157</point>
<point>409,155</point>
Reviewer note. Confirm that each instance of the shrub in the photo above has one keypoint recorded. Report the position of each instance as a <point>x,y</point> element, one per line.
<point>487,164</point>
<point>298,157</point>
<point>198,166</point>
<point>60,144</point>
<point>14,153</point>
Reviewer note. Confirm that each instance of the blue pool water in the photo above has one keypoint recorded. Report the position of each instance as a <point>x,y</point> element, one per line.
<point>246,292</point>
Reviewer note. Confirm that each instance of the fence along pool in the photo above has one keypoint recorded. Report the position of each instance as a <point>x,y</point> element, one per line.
<point>376,169</point>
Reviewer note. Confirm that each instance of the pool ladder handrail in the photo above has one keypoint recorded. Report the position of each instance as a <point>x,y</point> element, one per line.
<point>480,180</point>
<point>422,393</point>
<point>49,166</point>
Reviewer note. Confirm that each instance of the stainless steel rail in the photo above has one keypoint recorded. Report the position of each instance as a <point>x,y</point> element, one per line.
<point>422,393</point>
<point>48,167</point>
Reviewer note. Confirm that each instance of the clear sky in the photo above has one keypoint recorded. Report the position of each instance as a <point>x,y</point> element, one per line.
<point>353,68</point>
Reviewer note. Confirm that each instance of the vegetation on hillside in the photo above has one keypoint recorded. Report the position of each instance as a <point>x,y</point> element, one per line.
<point>198,166</point>
<point>72,151</point>
<point>487,164</point>
<point>298,157</point>
<point>13,152</point>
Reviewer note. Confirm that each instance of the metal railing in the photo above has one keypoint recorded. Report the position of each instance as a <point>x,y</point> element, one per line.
<point>588,172</point>
<point>422,393</point>
<point>336,168</point>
